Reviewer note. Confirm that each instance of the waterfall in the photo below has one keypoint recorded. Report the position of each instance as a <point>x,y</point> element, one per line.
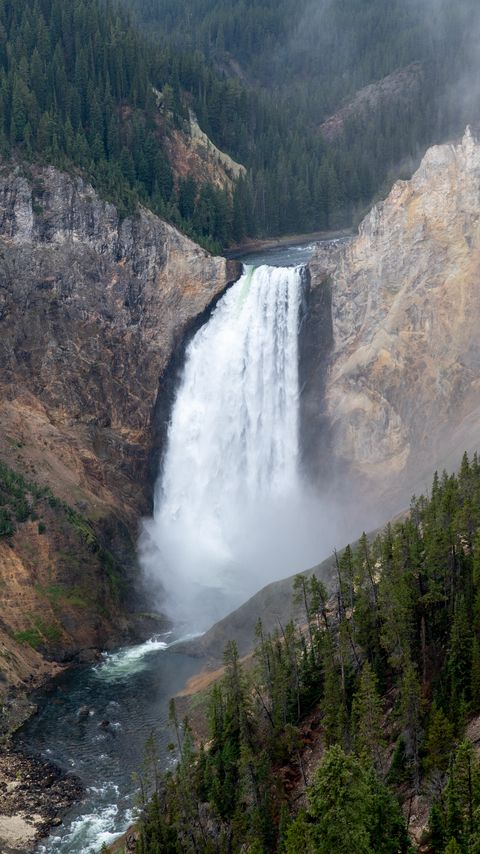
<point>225,512</point>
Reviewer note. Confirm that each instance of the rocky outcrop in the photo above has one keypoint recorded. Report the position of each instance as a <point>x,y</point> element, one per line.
<point>93,309</point>
<point>403,390</point>
<point>395,90</point>
<point>192,154</point>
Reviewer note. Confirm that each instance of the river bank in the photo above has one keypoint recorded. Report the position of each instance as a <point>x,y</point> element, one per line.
<point>34,795</point>
<point>92,724</point>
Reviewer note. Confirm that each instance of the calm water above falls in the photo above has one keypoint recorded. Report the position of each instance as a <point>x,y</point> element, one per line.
<point>280,256</point>
<point>131,689</point>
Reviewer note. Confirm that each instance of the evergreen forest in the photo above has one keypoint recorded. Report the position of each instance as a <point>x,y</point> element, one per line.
<point>93,87</point>
<point>384,672</point>
<point>282,68</point>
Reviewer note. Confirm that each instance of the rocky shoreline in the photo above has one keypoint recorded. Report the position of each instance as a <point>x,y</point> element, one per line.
<point>34,795</point>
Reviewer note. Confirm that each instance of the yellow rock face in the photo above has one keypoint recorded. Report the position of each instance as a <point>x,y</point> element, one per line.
<point>403,390</point>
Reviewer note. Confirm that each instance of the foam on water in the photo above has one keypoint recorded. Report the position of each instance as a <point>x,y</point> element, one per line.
<point>127,698</point>
<point>129,660</point>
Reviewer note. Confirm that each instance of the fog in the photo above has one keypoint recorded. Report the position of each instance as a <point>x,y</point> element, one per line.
<point>335,48</point>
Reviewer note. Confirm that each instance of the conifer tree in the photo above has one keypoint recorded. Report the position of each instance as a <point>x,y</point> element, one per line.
<point>367,720</point>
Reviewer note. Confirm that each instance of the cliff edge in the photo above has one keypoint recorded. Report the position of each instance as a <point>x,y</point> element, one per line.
<point>403,386</point>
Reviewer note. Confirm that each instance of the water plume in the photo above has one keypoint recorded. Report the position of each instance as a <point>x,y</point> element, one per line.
<point>231,509</point>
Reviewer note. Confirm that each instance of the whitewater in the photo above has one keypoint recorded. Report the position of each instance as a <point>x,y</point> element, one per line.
<point>232,511</point>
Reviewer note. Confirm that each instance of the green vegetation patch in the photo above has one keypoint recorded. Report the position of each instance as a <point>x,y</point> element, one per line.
<point>58,594</point>
<point>40,634</point>
<point>18,499</point>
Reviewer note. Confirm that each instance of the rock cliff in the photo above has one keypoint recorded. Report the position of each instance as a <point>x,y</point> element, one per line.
<point>94,311</point>
<point>403,387</point>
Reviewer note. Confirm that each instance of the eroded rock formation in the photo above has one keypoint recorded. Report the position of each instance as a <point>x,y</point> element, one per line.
<point>93,308</point>
<point>403,390</point>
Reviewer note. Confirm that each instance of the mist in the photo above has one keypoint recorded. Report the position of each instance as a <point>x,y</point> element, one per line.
<point>232,509</point>
<point>333,51</point>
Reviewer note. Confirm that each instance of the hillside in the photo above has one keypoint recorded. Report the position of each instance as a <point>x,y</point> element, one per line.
<point>81,89</point>
<point>292,67</point>
<point>122,115</point>
<point>365,704</point>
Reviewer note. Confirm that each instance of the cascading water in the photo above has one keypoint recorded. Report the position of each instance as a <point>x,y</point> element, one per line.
<point>228,506</point>
<point>231,513</point>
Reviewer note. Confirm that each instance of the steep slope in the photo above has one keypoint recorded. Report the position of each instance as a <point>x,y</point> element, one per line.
<point>403,391</point>
<point>94,314</point>
<point>385,673</point>
<point>273,604</point>
<point>193,155</point>
<point>387,81</point>
<point>398,89</point>
<point>82,89</point>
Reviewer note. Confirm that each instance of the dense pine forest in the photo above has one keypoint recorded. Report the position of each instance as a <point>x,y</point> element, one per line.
<point>282,68</point>
<point>82,88</point>
<point>385,674</point>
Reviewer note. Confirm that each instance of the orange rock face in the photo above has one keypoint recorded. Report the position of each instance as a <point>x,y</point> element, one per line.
<point>93,311</point>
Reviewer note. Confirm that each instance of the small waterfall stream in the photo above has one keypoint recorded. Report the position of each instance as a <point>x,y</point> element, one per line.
<point>225,519</point>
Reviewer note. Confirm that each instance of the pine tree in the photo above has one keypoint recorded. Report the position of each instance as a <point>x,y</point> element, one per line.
<point>439,740</point>
<point>367,720</point>
<point>411,715</point>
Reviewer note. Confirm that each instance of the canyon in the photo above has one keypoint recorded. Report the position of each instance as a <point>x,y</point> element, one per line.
<point>95,314</point>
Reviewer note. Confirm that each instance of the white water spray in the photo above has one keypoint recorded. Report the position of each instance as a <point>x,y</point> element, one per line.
<point>230,504</point>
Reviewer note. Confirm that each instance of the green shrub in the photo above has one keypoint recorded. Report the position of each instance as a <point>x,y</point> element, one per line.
<point>22,510</point>
<point>6,525</point>
<point>29,636</point>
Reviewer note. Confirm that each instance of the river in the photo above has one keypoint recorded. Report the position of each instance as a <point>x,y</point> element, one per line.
<point>130,689</point>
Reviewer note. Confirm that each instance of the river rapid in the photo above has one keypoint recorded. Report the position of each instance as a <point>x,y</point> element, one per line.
<point>94,721</point>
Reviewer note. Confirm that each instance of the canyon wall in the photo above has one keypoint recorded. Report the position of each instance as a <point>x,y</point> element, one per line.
<point>93,310</point>
<point>403,386</point>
